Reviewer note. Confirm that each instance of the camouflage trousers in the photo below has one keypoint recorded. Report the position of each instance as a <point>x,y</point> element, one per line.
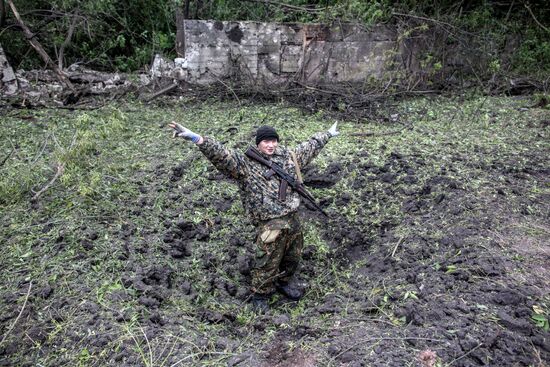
<point>279,244</point>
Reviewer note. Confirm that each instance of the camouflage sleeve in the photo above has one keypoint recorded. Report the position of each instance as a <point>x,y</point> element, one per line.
<point>308,150</point>
<point>227,161</point>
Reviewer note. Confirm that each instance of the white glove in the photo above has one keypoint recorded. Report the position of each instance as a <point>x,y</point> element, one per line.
<point>184,132</point>
<point>333,130</point>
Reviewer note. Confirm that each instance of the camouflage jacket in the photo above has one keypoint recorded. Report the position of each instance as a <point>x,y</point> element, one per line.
<point>259,195</point>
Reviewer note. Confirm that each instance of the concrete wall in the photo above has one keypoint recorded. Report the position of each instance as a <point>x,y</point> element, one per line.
<point>275,53</point>
<point>8,81</point>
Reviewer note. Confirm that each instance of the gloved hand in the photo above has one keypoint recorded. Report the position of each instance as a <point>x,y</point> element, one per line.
<point>184,132</point>
<point>333,130</point>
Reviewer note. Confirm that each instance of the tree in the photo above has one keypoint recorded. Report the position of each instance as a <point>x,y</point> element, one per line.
<point>2,13</point>
<point>31,37</point>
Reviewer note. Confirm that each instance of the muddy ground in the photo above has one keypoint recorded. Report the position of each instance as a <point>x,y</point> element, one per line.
<point>436,252</point>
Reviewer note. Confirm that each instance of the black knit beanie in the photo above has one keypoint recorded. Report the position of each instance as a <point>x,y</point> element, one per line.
<point>266,132</point>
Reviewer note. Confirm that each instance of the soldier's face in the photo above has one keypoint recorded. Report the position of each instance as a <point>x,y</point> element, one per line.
<point>267,146</point>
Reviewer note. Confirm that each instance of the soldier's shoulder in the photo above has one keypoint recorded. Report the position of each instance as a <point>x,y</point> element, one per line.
<point>282,151</point>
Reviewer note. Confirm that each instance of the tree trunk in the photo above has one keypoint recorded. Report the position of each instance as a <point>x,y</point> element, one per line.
<point>38,47</point>
<point>2,13</point>
<point>67,41</point>
<point>186,9</point>
<point>180,33</point>
<point>198,7</point>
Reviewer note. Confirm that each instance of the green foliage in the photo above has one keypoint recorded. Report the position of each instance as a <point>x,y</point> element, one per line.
<point>109,34</point>
<point>366,12</point>
<point>16,182</point>
<point>540,317</point>
<point>124,35</point>
<point>541,321</point>
<point>533,53</point>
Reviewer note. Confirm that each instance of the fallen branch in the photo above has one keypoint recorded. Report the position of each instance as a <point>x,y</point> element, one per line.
<point>35,159</point>
<point>162,91</point>
<point>60,169</point>
<point>322,90</point>
<point>232,91</point>
<point>396,246</point>
<point>7,157</point>
<point>374,134</point>
<point>464,355</point>
<point>18,316</point>
<point>360,342</point>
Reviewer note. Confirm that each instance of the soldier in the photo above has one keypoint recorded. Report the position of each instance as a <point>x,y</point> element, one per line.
<point>271,206</point>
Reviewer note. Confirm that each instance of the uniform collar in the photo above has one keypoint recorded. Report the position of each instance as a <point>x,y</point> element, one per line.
<point>279,151</point>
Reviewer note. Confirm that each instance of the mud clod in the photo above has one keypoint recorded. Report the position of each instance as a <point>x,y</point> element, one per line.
<point>514,324</point>
<point>212,317</point>
<point>149,302</point>
<point>435,242</point>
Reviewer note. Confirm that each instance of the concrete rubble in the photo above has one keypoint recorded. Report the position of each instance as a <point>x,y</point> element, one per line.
<point>41,87</point>
<point>8,79</point>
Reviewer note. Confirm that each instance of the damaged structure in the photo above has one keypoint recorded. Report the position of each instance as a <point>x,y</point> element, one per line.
<point>275,53</point>
<point>269,55</point>
<point>8,80</point>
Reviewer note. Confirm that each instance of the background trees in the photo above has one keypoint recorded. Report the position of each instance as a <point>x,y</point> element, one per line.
<point>105,34</point>
<point>124,35</point>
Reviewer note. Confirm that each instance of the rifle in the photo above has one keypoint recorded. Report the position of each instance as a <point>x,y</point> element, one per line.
<point>286,179</point>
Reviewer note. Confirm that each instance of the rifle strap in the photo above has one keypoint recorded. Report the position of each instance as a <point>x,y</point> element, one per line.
<point>298,172</point>
<point>283,186</point>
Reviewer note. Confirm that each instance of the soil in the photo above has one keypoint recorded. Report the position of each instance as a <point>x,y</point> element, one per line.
<point>452,271</point>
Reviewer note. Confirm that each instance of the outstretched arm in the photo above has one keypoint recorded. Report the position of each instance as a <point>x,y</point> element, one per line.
<point>227,161</point>
<point>185,133</point>
<point>306,151</point>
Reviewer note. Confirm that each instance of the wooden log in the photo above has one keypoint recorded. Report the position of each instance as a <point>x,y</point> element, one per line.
<point>162,91</point>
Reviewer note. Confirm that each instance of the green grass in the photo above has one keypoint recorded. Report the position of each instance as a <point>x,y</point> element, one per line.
<point>116,186</point>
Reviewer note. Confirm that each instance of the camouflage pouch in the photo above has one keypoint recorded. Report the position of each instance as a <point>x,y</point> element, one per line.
<point>268,236</point>
<point>270,231</point>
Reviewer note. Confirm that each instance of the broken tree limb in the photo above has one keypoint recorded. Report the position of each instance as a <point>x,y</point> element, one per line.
<point>31,37</point>
<point>18,316</point>
<point>164,90</point>
<point>7,157</point>
<point>374,134</point>
<point>230,89</point>
<point>338,93</point>
<point>60,169</point>
<point>396,246</point>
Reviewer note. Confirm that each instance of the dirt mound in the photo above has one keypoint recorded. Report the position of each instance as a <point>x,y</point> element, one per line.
<point>435,252</point>
<point>447,281</point>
